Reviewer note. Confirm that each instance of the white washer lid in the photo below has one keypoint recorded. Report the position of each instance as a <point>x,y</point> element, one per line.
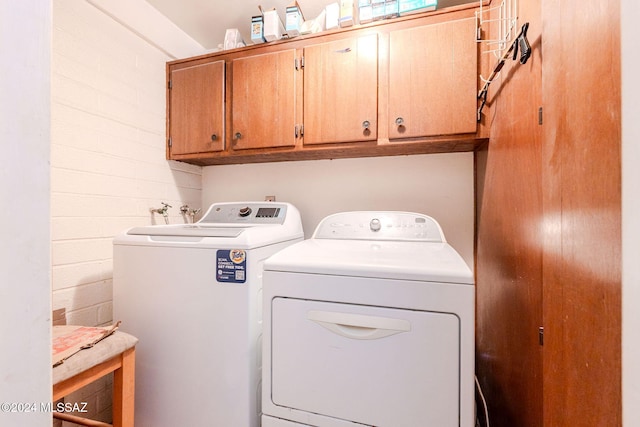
<point>404,260</point>
<point>196,230</point>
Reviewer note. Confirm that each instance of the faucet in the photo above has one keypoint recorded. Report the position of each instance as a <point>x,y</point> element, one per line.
<point>162,211</point>
<point>193,213</point>
<point>185,210</point>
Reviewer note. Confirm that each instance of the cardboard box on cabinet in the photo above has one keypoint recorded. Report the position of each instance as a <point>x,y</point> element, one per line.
<point>406,7</point>
<point>293,19</point>
<point>346,13</point>
<point>332,19</point>
<point>273,27</point>
<point>257,29</point>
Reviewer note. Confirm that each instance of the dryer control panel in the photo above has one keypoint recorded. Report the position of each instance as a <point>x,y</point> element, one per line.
<point>380,225</point>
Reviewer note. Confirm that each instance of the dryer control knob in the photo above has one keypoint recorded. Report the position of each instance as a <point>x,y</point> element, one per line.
<point>246,211</point>
<point>375,225</point>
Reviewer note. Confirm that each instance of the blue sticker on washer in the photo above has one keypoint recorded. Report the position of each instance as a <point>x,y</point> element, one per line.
<point>231,266</point>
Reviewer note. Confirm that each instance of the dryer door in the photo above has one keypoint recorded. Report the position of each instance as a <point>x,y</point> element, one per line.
<point>371,365</point>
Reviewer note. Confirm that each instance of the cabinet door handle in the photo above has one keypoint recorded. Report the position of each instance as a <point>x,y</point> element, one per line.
<point>214,137</point>
<point>399,121</point>
<point>366,124</point>
<point>238,135</point>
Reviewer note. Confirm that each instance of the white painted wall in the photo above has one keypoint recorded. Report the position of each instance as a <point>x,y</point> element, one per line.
<point>108,164</point>
<point>25,289</point>
<point>108,152</point>
<point>439,185</point>
<point>630,15</point>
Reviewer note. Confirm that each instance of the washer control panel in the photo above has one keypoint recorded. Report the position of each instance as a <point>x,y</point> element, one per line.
<point>374,225</point>
<point>245,212</point>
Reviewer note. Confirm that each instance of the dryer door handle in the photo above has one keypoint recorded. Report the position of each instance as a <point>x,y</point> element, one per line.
<point>359,326</point>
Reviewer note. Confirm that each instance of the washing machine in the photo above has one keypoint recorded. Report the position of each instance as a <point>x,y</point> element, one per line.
<point>192,295</point>
<point>369,322</point>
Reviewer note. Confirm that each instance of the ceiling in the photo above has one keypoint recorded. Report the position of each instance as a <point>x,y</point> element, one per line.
<point>206,21</point>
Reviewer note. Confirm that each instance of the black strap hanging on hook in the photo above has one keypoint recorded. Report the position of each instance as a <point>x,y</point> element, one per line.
<point>521,43</point>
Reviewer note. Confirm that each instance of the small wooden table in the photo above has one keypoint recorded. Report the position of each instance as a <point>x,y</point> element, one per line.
<point>116,354</point>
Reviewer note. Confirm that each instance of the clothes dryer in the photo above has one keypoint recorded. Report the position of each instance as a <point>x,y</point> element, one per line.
<point>369,322</point>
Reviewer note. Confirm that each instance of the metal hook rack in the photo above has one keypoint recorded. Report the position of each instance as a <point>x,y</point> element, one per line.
<point>506,21</point>
<point>503,20</point>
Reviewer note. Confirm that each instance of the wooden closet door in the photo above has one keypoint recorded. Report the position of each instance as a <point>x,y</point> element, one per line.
<point>582,264</point>
<point>549,233</point>
<point>510,236</point>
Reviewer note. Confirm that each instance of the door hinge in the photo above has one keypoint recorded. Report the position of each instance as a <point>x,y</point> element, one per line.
<point>170,143</point>
<point>169,84</point>
<point>540,115</point>
<point>541,335</point>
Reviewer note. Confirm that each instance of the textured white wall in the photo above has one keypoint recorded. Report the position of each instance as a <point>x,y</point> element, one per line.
<point>25,288</point>
<point>108,152</point>
<point>439,185</point>
<point>108,164</point>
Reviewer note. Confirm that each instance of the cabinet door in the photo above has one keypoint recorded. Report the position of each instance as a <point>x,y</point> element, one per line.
<point>433,76</point>
<point>341,91</point>
<point>264,101</point>
<point>196,109</point>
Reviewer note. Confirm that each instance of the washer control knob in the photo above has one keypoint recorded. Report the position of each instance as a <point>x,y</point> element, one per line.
<point>375,224</point>
<point>246,211</point>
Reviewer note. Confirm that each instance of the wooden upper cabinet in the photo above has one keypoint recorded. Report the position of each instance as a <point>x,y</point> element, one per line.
<point>196,109</point>
<point>264,101</point>
<point>341,91</point>
<point>260,104</point>
<point>433,73</point>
